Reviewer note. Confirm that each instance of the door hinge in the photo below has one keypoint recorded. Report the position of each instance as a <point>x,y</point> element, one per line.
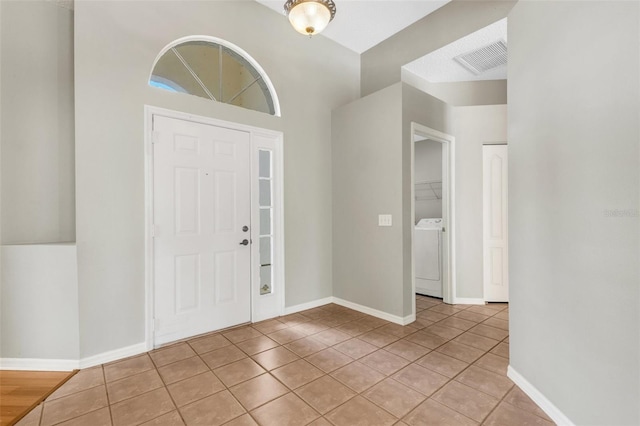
<point>154,229</point>
<point>155,136</point>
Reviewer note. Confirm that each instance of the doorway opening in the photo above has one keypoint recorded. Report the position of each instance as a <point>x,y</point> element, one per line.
<point>214,225</point>
<point>432,205</point>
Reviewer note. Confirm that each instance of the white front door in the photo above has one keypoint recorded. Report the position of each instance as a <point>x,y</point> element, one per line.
<point>201,204</point>
<point>496,262</point>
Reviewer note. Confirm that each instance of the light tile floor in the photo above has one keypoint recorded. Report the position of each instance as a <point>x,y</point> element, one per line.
<point>328,365</point>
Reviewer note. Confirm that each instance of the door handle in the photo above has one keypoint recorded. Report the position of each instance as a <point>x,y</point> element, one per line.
<point>244,242</point>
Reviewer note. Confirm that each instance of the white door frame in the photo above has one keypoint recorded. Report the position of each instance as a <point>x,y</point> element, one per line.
<point>448,210</point>
<point>262,307</point>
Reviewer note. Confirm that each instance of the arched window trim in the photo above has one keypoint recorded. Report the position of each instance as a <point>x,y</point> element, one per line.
<point>233,47</point>
<point>170,84</point>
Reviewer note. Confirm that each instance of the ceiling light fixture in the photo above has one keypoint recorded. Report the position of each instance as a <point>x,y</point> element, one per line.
<point>310,17</point>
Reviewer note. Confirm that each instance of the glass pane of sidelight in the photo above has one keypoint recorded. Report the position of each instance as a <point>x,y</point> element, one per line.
<point>265,221</point>
<point>264,164</point>
<point>265,193</point>
<point>265,280</point>
<point>265,251</point>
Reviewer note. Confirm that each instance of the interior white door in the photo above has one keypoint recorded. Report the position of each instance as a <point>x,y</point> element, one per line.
<point>201,193</point>
<point>495,253</point>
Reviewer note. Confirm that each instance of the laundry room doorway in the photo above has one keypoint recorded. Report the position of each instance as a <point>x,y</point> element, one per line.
<point>432,213</point>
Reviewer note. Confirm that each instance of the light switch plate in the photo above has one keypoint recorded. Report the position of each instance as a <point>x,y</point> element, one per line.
<point>384,220</point>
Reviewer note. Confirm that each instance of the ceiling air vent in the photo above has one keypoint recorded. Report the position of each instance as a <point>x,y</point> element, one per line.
<point>485,58</point>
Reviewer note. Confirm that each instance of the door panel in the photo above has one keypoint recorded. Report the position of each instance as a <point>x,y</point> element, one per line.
<point>496,276</point>
<point>201,202</point>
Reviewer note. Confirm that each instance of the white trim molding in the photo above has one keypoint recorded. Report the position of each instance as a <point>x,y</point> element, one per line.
<point>468,301</point>
<point>547,406</point>
<point>37,364</point>
<point>114,355</point>
<point>308,305</point>
<point>142,347</point>
<point>448,209</point>
<point>351,305</point>
<point>375,313</point>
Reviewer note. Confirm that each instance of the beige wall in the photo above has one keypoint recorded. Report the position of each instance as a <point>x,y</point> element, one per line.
<point>367,181</point>
<point>38,183</point>
<point>116,43</point>
<point>372,175</point>
<point>39,306</point>
<point>574,156</point>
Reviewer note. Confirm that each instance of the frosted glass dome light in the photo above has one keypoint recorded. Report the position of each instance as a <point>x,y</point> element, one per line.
<point>310,17</point>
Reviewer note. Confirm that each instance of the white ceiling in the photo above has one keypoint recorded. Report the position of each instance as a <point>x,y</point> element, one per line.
<point>439,66</point>
<point>361,24</point>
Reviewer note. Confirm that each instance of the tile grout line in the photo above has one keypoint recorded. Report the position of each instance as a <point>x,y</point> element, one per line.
<point>164,384</point>
<point>496,406</point>
<point>106,391</point>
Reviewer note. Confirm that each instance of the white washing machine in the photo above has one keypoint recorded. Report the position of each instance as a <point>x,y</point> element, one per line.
<point>428,257</point>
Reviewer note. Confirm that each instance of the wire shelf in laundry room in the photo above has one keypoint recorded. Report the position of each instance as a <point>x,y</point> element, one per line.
<point>428,190</point>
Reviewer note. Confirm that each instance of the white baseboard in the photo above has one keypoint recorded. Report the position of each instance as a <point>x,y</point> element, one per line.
<point>467,301</point>
<point>545,405</point>
<point>105,357</point>
<point>309,305</point>
<point>356,307</point>
<point>36,364</point>
<point>374,312</point>
<point>114,355</point>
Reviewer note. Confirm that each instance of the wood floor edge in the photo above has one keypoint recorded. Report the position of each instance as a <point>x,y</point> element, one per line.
<point>42,398</point>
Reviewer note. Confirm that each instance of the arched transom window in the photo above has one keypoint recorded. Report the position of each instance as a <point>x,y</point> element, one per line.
<point>214,69</point>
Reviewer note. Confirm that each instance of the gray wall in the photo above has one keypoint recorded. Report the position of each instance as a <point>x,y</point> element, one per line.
<point>36,58</point>
<point>116,44</point>
<point>372,175</point>
<point>367,181</point>
<point>427,168</point>
<point>461,93</point>
<point>381,65</point>
<point>1,14</point>
<point>473,127</point>
<point>39,315</point>
<point>574,103</point>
